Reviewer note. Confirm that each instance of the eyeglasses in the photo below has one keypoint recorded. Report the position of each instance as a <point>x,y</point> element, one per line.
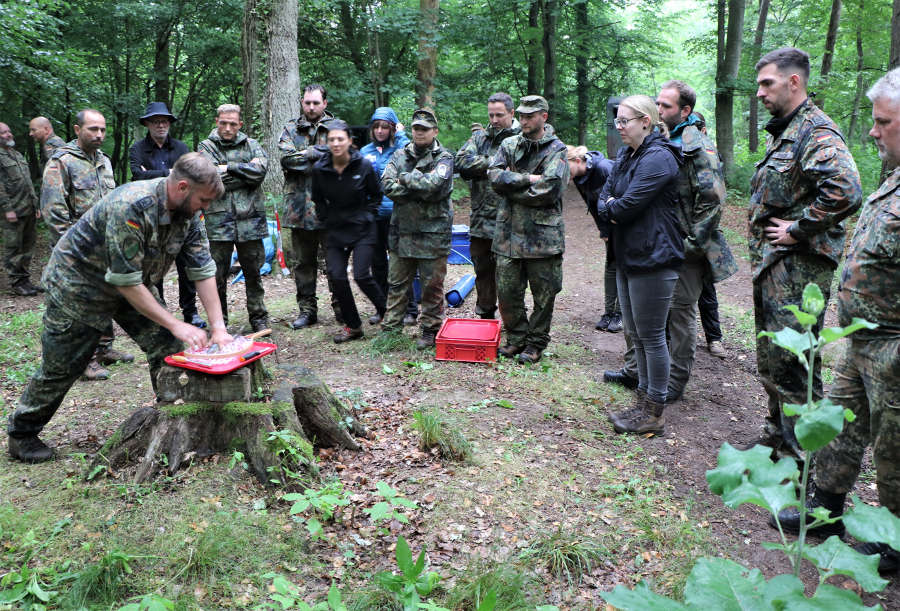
<point>162,121</point>
<point>620,123</point>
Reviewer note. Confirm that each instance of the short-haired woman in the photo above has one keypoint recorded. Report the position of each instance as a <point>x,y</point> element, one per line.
<point>347,193</point>
<point>637,205</point>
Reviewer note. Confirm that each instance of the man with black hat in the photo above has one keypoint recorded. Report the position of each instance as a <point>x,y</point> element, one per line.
<point>153,157</point>
<point>529,171</point>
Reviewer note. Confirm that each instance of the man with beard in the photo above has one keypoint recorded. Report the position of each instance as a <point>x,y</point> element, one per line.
<point>100,271</point>
<point>805,185</point>
<point>77,176</point>
<point>18,207</point>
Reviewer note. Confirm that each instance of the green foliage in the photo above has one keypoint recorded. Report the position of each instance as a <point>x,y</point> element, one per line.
<point>150,602</point>
<point>484,580</point>
<point>322,502</point>
<point>296,460</point>
<point>19,340</point>
<point>751,476</point>
<point>102,582</point>
<point>388,509</point>
<point>566,554</point>
<point>390,341</point>
<point>288,596</point>
<point>435,432</point>
<point>413,582</point>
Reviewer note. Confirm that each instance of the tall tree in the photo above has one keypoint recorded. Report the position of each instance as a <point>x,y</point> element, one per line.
<point>426,68</point>
<point>582,57</point>
<point>860,83</point>
<point>534,47</point>
<point>726,77</point>
<point>548,42</point>
<point>755,53</point>
<point>895,36</point>
<point>834,22</point>
<point>250,63</point>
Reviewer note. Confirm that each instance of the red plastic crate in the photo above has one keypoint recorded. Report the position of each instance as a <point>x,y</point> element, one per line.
<point>468,339</point>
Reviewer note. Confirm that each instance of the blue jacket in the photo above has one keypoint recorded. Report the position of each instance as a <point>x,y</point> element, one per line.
<point>379,156</point>
<point>675,136</point>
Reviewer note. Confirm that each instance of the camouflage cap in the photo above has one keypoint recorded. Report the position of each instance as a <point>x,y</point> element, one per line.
<point>424,117</point>
<point>532,103</point>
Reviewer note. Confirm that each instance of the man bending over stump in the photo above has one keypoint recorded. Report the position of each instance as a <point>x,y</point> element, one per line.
<point>101,269</point>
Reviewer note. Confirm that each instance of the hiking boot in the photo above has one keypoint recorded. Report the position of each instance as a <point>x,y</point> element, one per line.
<point>260,324</point>
<point>347,334</point>
<point>29,449</point>
<point>95,371</point>
<point>717,349</point>
<point>673,395</point>
<point>426,340</point>
<point>629,413</point>
<point>834,503</point>
<point>530,355</point>
<point>375,319</point>
<point>194,319</point>
<point>648,417</point>
<point>620,377</point>
<point>889,561</point>
<point>23,288</point>
<point>603,323</point>
<point>110,355</point>
<point>409,320</point>
<point>487,315</point>
<point>509,351</point>
<point>304,320</point>
<point>615,323</point>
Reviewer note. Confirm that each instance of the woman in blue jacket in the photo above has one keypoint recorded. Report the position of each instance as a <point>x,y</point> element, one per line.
<point>637,206</point>
<point>387,136</point>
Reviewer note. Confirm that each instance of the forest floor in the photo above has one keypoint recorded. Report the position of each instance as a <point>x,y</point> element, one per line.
<point>547,470</point>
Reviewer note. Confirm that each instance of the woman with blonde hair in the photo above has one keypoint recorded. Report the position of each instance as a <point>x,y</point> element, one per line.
<point>637,208</point>
<point>589,171</point>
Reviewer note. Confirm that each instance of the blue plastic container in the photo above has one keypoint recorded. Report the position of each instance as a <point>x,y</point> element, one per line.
<point>459,246</point>
<point>460,290</point>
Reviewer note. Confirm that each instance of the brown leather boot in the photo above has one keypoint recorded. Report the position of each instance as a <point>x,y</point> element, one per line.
<point>347,334</point>
<point>95,371</point>
<point>109,355</point>
<point>647,417</point>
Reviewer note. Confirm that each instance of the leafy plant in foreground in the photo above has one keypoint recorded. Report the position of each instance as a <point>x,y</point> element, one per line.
<point>322,501</point>
<point>752,477</point>
<point>295,455</point>
<point>412,582</point>
<point>387,509</point>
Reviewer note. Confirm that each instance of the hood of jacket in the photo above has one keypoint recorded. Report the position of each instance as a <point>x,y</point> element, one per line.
<point>433,149</point>
<point>303,122</point>
<point>675,135</point>
<point>72,148</point>
<point>549,135</point>
<point>238,139</point>
<point>384,113</point>
<point>512,130</point>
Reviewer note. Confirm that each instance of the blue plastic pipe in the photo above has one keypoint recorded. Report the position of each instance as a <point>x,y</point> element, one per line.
<point>460,291</point>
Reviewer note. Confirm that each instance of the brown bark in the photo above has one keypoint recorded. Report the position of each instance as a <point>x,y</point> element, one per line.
<point>161,90</point>
<point>753,102</point>
<point>894,59</point>
<point>582,50</point>
<point>250,62</point>
<point>828,56</point>
<point>322,415</point>
<point>548,42</point>
<point>857,99</point>
<point>534,48</point>
<point>426,67</point>
<point>726,75</point>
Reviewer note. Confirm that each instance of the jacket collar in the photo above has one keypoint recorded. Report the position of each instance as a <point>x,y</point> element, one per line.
<point>411,149</point>
<point>238,139</point>
<point>326,117</point>
<point>778,126</point>
<point>512,130</point>
<point>150,143</point>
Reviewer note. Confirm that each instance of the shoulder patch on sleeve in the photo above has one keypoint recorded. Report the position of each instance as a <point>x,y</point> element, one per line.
<point>143,203</point>
<point>825,153</point>
<point>130,247</point>
<point>443,169</point>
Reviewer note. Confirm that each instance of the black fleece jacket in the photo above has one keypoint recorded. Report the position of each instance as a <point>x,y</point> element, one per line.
<point>346,203</point>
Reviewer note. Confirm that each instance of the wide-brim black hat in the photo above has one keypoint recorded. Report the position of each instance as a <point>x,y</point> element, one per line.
<point>157,109</point>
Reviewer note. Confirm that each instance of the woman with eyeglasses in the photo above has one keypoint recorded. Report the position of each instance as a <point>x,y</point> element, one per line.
<point>637,206</point>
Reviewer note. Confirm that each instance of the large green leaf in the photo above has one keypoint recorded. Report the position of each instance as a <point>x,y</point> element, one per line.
<point>722,584</point>
<point>816,428</point>
<point>780,587</point>
<point>813,299</point>
<point>792,341</point>
<point>876,524</point>
<point>641,598</point>
<point>827,597</point>
<point>754,464</point>
<point>831,334</point>
<point>807,320</point>
<point>835,557</point>
<point>772,498</point>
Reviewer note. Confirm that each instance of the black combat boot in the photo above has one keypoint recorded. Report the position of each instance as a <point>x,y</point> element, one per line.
<point>29,449</point>
<point>621,377</point>
<point>889,560</point>
<point>834,503</point>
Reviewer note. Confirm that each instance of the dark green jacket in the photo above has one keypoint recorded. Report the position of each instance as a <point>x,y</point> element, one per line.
<point>301,144</point>
<point>240,214</point>
<point>419,184</point>
<point>529,217</point>
<point>16,191</point>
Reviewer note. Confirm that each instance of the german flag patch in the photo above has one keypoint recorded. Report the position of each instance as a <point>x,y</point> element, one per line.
<point>823,137</point>
<point>133,225</point>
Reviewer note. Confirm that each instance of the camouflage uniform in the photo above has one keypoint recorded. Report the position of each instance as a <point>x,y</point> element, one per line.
<point>126,239</point>
<point>72,184</point>
<point>701,195</point>
<point>808,176</point>
<point>238,219</point>
<point>419,184</point>
<point>529,238</point>
<point>471,162</point>
<point>16,195</point>
<point>301,144</point>
<point>48,148</point>
<point>867,378</point>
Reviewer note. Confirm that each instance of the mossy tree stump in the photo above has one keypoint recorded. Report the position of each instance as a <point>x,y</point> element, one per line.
<point>201,415</point>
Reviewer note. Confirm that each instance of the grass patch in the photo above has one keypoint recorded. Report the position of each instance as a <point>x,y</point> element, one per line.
<point>566,554</point>
<point>101,583</point>
<point>509,583</point>
<point>386,342</point>
<point>435,432</point>
<point>744,330</point>
<point>20,339</point>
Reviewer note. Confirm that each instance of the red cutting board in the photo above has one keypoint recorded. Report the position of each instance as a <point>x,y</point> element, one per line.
<point>227,365</point>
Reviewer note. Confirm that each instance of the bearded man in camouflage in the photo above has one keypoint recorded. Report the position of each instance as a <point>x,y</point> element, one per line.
<point>530,172</point>
<point>805,185</point>
<point>238,220</point>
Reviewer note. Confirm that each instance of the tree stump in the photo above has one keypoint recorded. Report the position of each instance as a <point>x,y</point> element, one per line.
<point>208,415</point>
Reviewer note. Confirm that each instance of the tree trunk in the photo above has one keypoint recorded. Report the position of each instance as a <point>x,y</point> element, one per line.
<point>322,415</point>
<point>534,48</point>
<point>426,67</point>
<point>753,102</point>
<point>250,63</point>
<point>857,99</point>
<point>281,101</point>
<point>894,60</point>
<point>161,65</point>
<point>726,75</point>
<point>828,56</point>
<point>582,53</point>
<point>548,42</point>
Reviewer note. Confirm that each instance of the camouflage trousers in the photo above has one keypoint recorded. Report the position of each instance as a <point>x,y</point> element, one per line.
<point>544,277</point>
<point>783,378</point>
<point>18,246</point>
<point>401,271</point>
<point>251,255</point>
<point>67,346</point>
<point>867,382</point>
<point>485,264</point>
<point>308,248</point>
